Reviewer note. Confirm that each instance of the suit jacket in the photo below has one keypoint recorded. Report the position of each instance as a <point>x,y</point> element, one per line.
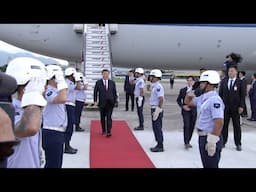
<point>235,97</point>
<point>252,91</point>
<point>105,96</point>
<point>181,97</point>
<point>128,87</point>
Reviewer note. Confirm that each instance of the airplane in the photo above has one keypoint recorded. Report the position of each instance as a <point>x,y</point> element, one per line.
<point>164,46</point>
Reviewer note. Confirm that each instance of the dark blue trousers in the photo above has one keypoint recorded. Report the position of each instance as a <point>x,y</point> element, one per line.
<point>207,161</point>
<point>157,127</point>
<point>78,112</point>
<point>140,112</point>
<point>253,108</point>
<point>52,142</point>
<point>71,121</point>
<point>189,120</point>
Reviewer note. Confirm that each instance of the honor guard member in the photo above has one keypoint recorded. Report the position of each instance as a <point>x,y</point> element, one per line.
<point>31,76</point>
<point>54,117</point>
<point>156,102</point>
<point>80,99</point>
<point>210,118</point>
<point>72,79</point>
<point>139,96</point>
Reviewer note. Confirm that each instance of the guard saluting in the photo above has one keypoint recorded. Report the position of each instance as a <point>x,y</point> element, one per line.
<point>210,118</point>
<point>54,117</point>
<point>156,102</point>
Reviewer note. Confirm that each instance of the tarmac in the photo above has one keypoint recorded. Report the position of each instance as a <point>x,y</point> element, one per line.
<point>174,155</point>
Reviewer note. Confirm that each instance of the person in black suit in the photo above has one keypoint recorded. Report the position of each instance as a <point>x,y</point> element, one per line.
<point>129,89</point>
<point>252,96</point>
<point>233,95</point>
<point>188,113</point>
<point>106,89</point>
<point>241,75</point>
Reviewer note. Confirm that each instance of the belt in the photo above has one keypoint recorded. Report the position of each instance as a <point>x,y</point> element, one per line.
<point>153,106</point>
<point>201,132</point>
<point>61,129</point>
<point>70,103</point>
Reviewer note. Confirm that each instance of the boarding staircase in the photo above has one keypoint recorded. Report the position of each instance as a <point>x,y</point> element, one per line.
<point>96,56</point>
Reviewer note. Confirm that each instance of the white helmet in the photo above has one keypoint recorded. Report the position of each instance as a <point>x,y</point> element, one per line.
<point>210,76</point>
<point>156,73</point>
<point>139,70</point>
<point>52,70</point>
<point>69,71</point>
<point>23,68</point>
<point>80,75</point>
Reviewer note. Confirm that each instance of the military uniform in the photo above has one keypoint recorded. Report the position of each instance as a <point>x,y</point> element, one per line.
<point>80,99</point>
<point>54,127</point>
<point>70,107</point>
<point>26,154</point>
<point>211,107</point>
<point>139,84</point>
<point>157,91</point>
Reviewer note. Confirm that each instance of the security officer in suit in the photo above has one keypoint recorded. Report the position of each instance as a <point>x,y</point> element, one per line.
<point>252,96</point>
<point>129,90</point>
<point>54,117</point>
<point>156,103</point>
<point>241,75</point>
<point>139,96</point>
<point>188,113</point>
<point>232,93</point>
<point>106,89</point>
<point>210,118</point>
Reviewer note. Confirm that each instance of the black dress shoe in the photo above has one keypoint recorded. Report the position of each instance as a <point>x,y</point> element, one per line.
<point>108,134</point>
<point>157,149</point>
<point>79,129</point>
<point>70,150</point>
<point>250,119</point>
<point>103,133</point>
<point>238,148</point>
<point>188,146</point>
<point>138,128</point>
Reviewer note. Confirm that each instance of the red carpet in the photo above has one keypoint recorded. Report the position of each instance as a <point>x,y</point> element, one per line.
<point>121,150</point>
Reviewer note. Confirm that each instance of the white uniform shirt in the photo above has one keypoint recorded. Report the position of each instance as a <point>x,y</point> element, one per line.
<point>26,154</point>
<point>157,91</point>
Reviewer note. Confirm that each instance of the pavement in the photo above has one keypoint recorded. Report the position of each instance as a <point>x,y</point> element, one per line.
<point>175,155</point>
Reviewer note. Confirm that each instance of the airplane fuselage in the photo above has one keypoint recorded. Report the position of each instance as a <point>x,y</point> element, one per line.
<point>148,46</point>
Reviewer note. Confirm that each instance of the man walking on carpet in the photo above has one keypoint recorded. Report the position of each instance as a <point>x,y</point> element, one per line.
<point>106,89</point>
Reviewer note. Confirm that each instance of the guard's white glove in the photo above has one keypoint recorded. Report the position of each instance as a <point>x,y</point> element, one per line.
<point>33,92</point>
<point>210,146</point>
<point>61,83</point>
<point>140,99</point>
<point>156,113</point>
<point>77,77</point>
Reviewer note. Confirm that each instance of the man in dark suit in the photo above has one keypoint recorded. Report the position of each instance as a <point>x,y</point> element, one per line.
<point>129,90</point>
<point>241,75</point>
<point>106,89</point>
<point>188,113</point>
<point>252,96</point>
<point>233,95</point>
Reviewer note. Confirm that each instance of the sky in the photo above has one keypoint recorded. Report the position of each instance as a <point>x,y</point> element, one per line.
<point>12,49</point>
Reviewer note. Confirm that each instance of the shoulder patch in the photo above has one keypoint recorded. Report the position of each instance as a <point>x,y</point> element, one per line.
<point>49,93</point>
<point>216,105</point>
